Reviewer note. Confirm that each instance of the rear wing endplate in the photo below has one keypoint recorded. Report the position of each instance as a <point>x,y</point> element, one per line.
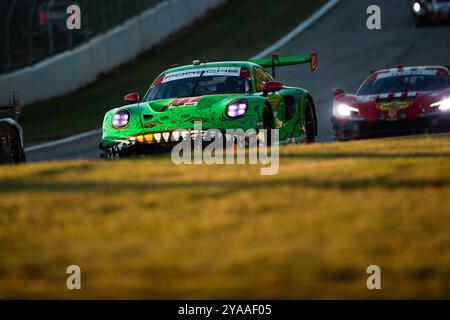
<point>277,61</point>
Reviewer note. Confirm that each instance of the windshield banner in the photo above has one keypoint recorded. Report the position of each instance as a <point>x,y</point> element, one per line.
<point>207,72</point>
<point>418,72</point>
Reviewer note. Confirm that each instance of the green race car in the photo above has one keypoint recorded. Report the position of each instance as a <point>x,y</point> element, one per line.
<point>222,95</point>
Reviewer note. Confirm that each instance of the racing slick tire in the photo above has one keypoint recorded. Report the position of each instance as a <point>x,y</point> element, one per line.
<point>310,122</point>
<point>11,150</point>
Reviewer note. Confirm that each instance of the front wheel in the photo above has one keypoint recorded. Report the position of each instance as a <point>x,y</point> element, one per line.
<point>310,122</point>
<point>11,150</point>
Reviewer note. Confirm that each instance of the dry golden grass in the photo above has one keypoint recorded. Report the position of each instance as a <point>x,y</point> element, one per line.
<point>149,229</point>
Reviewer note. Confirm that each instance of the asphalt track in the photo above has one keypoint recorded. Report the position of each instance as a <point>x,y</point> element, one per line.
<point>347,51</point>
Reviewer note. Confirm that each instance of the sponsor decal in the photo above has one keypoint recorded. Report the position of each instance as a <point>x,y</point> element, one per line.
<point>392,114</point>
<point>185,102</point>
<point>394,105</point>
<point>194,73</point>
<point>407,72</point>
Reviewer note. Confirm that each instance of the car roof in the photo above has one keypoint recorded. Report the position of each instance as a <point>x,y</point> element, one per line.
<point>246,64</point>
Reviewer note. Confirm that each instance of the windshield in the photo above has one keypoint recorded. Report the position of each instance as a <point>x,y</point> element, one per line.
<point>200,82</point>
<point>387,83</point>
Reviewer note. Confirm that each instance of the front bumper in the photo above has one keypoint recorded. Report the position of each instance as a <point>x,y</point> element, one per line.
<point>146,143</point>
<point>359,128</point>
<point>153,143</point>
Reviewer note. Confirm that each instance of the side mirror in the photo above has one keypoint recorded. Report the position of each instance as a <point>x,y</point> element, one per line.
<point>131,97</point>
<point>338,91</point>
<point>272,86</point>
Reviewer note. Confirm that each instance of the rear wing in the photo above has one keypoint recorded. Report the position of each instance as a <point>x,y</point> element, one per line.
<point>277,61</point>
<point>14,107</point>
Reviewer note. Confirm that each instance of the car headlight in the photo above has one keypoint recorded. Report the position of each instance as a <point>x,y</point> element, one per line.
<point>443,105</point>
<point>417,7</point>
<point>237,109</point>
<point>345,110</point>
<point>120,119</point>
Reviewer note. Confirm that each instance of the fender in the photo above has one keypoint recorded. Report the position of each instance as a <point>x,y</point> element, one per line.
<point>308,96</point>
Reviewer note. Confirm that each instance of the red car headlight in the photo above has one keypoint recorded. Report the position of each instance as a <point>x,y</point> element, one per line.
<point>443,105</point>
<point>344,110</point>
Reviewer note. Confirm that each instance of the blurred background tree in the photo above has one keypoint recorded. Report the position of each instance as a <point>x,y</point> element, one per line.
<point>32,30</point>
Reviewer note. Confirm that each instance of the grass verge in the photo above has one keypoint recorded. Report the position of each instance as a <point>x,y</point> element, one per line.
<point>238,30</point>
<point>149,229</point>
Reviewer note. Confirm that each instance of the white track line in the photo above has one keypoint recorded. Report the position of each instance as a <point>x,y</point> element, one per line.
<point>51,144</point>
<point>297,30</point>
<point>266,52</point>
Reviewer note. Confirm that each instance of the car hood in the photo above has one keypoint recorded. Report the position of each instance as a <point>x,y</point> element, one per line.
<point>172,114</point>
<point>198,102</point>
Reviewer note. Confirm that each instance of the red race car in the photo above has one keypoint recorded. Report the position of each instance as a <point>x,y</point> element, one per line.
<point>394,101</point>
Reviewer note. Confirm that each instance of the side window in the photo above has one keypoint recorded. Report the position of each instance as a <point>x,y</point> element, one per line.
<point>268,76</point>
<point>260,79</point>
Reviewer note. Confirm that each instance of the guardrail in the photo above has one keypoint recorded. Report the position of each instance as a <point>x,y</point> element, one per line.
<point>73,69</point>
<point>33,30</point>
